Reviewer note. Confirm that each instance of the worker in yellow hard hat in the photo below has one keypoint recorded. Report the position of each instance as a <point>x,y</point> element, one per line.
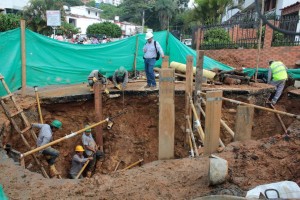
<point>78,161</point>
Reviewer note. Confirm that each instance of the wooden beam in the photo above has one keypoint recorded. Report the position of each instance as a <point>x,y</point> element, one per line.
<point>99,113</point>
<point>166,114</point>
<point>136,54</point>
<point>188,92</point>
<point>23,57</point>
<point>198,82</point>
<point>165,62</point>
<point>212,121</point>
<point>244,123</point>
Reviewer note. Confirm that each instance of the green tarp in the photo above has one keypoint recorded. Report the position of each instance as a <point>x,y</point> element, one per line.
<point>293,73</point>
<point>51,62</point>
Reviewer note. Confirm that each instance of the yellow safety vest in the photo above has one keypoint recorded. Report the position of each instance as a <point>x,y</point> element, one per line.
<point>278,71</point>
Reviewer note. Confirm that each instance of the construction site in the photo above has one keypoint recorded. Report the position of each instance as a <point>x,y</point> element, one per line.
<point>205,132</point>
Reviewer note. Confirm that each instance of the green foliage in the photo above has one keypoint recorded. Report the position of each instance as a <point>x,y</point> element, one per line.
<point>106,28</point>
<point>9,21</point>
<point>73,2</point>
<point>166,9</point>
<point>91,3</point>
<point>35,14</point>
<point>109,11</point>
<point>216,35</point>
<point>67,29</point>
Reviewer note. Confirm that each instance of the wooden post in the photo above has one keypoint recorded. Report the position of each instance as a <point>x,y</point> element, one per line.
<point>259,41</point>
<point>165,62</point>
<point>166,114</point>
<point>198,82</point>
<point>98,111</point>
<point>188,92</point>
<point>244,123</point>
<point>23,54</point>
<point>212,121</point>
<point>198,39</point>
<point>136,54</point>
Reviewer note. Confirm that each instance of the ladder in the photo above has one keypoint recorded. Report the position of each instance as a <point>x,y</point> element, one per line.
<point>19,113</point>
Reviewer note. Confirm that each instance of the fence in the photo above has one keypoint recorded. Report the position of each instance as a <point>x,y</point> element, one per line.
<point>242,31</point>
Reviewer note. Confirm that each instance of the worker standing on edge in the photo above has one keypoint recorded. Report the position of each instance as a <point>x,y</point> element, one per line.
<point>78,161</point>
<point>120,76</point>
<point>95,76</point>
<point>91,149</point>
<point>45,136</point>
<point>277,76</point>
<point>152,51</point>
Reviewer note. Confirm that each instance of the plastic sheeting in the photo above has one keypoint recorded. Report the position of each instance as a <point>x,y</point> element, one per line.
<point>52,62</point>
<point>293,73</point>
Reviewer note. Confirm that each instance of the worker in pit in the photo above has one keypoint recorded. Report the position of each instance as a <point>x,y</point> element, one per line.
<point>90,150</point>
<point>78,161</point>
<point>120,78</point>
<point>95,76</point>
<point>45,136</point>
<point>277,76</point>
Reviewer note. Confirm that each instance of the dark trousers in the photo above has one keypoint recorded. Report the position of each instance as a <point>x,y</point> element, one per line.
<point>96,157</point>
<point>53,153</point>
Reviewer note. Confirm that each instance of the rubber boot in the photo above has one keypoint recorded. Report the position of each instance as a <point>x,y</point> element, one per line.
<point>89,174</point>
<point>53,171</point>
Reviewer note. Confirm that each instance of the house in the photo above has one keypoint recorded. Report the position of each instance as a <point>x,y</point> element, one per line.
<point>12,6</point>
<point>271,8</point>
<point>83,16</point>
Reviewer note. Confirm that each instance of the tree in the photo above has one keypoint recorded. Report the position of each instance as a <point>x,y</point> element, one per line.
<point>105,28</point>
<point>212,10</point>
<point>73,3</point>
<point>109,11</point>
<point>166,10</point>
<point>9,21</point>
<point>67,29</point>
<point>35,14</point>
<point>91,3</point>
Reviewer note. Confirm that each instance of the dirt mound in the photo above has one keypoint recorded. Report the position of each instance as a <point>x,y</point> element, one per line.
<point>231,60</point>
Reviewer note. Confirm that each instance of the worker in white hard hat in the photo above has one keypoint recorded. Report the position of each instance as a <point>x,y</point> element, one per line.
<point>152,52</point>
<point>78,161</point>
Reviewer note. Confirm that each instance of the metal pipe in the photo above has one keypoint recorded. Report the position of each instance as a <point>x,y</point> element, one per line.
<point>62,139</point>
<point>259,107</point>
<point>38,103</point>
<point>198,125</point>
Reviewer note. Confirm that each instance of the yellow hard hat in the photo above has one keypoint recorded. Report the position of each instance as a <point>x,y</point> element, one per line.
<point>79,148</point>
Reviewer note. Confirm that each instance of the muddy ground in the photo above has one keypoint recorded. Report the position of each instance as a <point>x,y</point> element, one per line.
<point>134,135</point>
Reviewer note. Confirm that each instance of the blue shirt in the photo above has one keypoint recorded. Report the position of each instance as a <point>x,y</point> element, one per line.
<point>45,134</point>
<point>149,49</point>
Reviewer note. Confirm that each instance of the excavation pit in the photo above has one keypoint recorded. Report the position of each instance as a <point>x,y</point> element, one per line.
<point>134,134</point>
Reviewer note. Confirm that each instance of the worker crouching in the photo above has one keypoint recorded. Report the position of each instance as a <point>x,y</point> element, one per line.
<point>120,78</point>
<point>91,150</point>
<point>45,136</point>
<point>78,161</point>
<point>95,76</point>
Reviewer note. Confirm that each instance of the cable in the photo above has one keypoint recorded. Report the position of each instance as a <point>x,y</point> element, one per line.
<point>271,25</point>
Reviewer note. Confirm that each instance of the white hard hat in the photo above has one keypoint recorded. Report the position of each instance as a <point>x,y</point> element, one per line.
<point>149,35</point>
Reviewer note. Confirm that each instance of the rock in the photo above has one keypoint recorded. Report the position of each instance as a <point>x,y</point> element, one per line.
<point>218,170</point>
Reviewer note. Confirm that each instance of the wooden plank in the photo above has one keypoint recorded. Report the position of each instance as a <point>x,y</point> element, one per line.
<point>23,55</point>
<point>188,92</point>
<point>136,54</point>
<point>212,121</point>
<point>166,114</point>
<point>98,112</point>
<point>198,82</point>
<point>244,123</point>
<point>165,62</point>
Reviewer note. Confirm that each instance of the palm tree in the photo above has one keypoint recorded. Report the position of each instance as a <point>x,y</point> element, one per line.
<point>166,10</point>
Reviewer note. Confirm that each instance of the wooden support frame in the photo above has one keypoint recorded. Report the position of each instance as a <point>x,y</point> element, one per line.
<point>198,81</point>
<point>188,91</point>
<point>166,114</point>
<point>99,113</point>
<point>136,54</point>
<point>212,121</point>
<point>23,56</point>
<point>244,123</point>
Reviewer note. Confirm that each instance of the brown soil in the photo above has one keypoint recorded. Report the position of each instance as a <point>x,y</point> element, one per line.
<point>135,135</point>
<point>231,60</point>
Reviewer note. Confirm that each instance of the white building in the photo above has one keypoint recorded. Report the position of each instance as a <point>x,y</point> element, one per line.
<point>82,16</point>
<point>129,29</point>
<point>12,6</point>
